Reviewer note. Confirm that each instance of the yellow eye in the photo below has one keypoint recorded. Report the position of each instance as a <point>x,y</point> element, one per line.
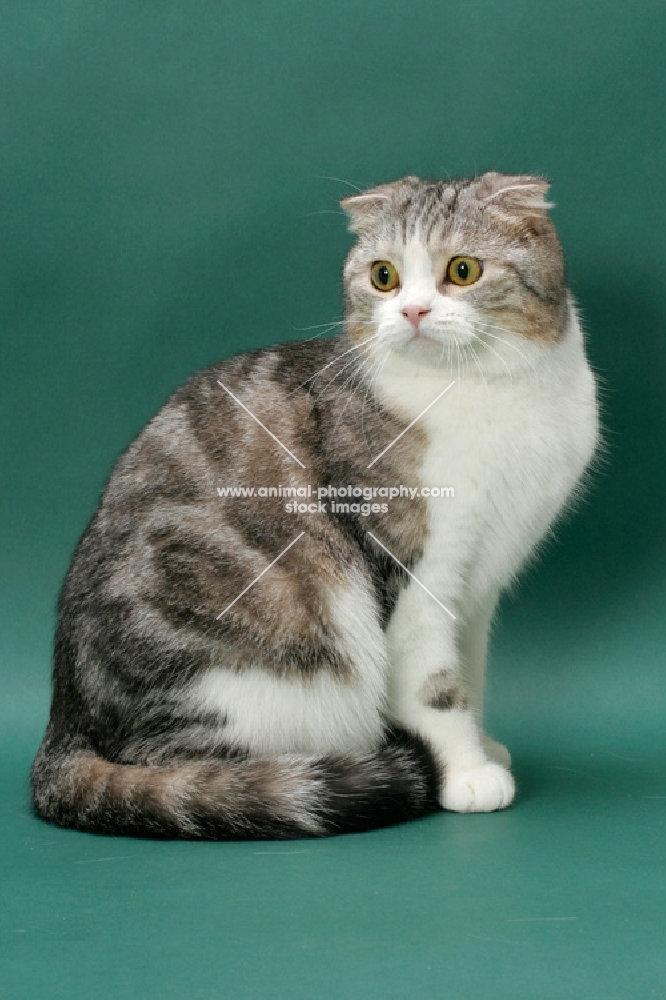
<point>464,270</point>
<point>384,276</point>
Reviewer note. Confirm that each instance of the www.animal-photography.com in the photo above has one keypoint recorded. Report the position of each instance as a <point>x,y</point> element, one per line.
<point>333,539</point>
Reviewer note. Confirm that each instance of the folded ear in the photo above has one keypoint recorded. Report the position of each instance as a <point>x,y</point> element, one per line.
<point>514,192</point>
<point>365,207</point>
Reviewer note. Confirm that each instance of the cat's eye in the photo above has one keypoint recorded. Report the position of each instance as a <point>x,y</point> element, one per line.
<point>464,270</point>
<point>384,276</point>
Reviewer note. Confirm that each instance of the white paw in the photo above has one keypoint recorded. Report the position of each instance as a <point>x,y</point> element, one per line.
<point>496,752</point>
<point>478,789</point>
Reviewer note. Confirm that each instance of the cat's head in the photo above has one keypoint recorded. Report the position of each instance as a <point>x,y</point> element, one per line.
<point>445,267</point>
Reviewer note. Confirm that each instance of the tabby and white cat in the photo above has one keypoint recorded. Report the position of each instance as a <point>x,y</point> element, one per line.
<point>232,667</point>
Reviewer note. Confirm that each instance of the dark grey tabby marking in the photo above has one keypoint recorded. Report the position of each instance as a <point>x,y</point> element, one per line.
<point>443,692</point>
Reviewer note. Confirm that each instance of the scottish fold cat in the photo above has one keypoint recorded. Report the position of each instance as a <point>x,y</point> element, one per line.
<point>309,658</point>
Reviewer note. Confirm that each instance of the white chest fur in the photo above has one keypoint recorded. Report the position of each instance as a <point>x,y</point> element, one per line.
<point>513,450</point>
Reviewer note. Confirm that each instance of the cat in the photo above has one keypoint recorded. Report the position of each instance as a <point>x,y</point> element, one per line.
<point>232,667</point>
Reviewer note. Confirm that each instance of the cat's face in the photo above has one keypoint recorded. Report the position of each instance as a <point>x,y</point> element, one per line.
<point>469,268</point>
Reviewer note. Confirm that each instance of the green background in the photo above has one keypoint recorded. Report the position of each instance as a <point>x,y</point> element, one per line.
<point>165,176</point>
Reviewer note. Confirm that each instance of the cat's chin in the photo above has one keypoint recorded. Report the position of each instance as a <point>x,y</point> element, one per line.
<point>421,346</point>
<point>425,351</point>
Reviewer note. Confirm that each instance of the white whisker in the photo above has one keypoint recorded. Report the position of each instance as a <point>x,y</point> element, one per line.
<point>480,367</point>
<point>339,180</point>
<point>318,326</point>
<point>357,372</point>
<point>492,350</point>
<point>353,361</point>
<point>312,378</point>
<point>376,371</point>
<point>363,362</point>
<point>512,346</point>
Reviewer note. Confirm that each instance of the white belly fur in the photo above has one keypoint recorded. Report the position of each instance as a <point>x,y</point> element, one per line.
<point>323,714</point>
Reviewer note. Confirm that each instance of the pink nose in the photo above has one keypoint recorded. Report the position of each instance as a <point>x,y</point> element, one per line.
<point>415,314</point>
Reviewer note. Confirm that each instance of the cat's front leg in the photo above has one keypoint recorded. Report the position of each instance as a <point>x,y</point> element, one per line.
<point>473,635</point>
<point>430,695</point>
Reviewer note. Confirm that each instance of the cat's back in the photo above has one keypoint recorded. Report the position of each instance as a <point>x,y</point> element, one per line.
<point>208,434</point>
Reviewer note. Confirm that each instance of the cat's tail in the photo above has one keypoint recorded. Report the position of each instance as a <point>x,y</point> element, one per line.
<point>236,798</point>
